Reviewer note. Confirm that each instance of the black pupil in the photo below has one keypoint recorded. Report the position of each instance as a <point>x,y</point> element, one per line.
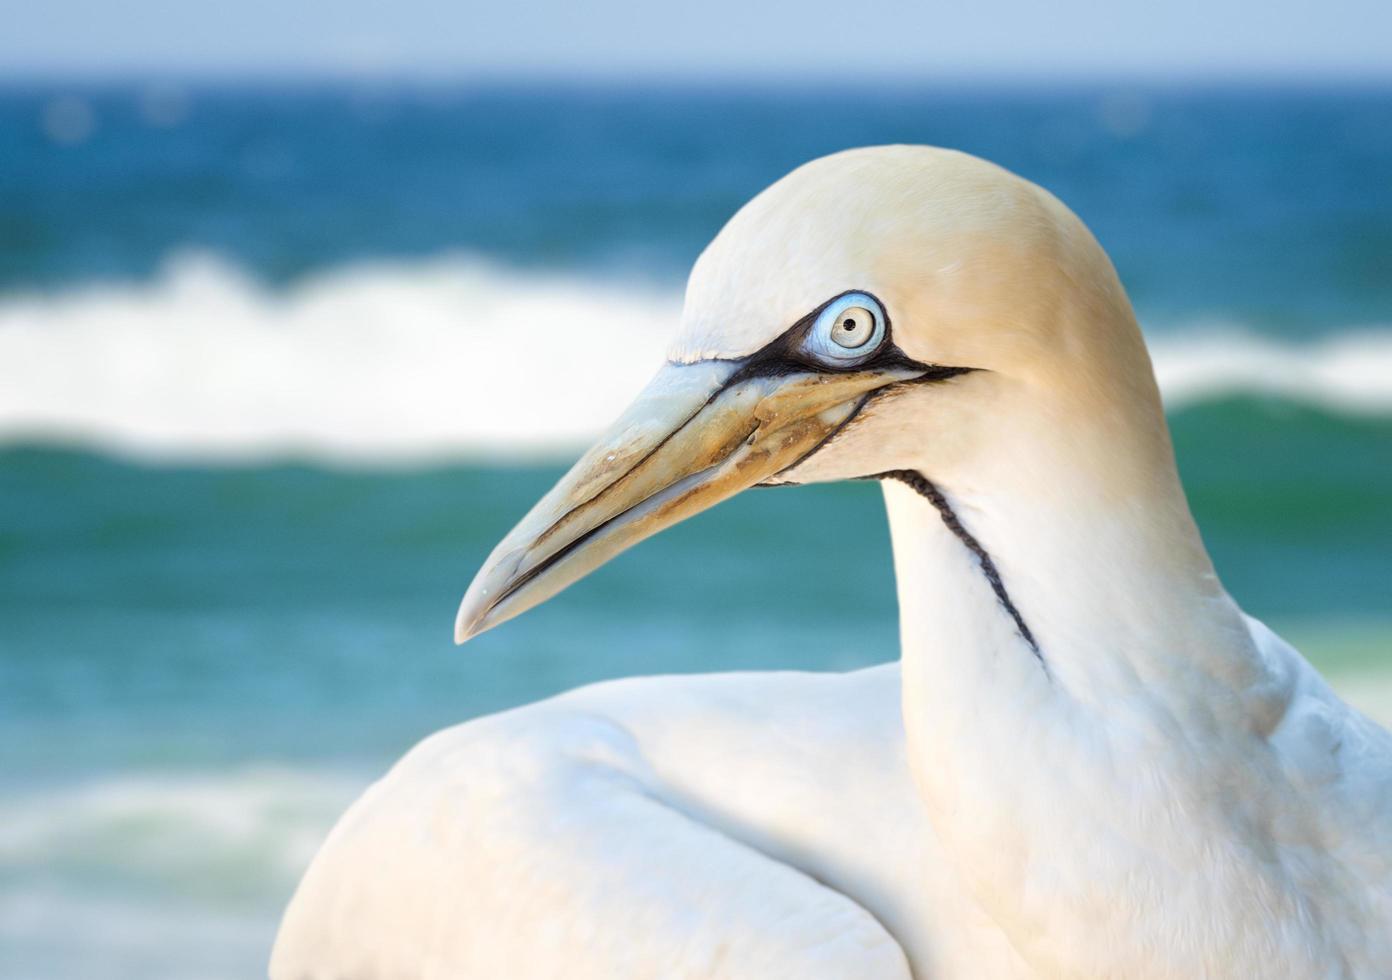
<point>848,324</point>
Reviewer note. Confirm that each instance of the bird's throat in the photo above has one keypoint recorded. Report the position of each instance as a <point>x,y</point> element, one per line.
<point>924,487</point>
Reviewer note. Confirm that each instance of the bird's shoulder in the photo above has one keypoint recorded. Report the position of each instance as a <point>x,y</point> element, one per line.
<point>1338,757</point>
<point>616,724</point>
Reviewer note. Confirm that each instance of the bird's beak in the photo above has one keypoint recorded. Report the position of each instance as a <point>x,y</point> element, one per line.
<point>698,434</point>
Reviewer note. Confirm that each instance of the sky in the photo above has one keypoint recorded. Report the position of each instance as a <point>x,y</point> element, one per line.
<point>815,39</point>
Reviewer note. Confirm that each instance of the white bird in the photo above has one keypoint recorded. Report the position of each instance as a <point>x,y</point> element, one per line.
<point>1088,763</point>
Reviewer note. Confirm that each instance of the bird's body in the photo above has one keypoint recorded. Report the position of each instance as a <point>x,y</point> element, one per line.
<point>1089,762</point>
<point>758,825</point>
<point>631,832</point>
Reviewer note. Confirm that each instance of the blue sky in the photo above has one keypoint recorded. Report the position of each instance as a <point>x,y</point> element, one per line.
<point>815,39</point>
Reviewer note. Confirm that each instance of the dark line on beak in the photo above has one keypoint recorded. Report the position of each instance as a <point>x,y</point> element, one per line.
<point>932,373</point>
<point>552,560</point>
<point>924,487</point>
<point>594,497</point>
<point>864,400</point>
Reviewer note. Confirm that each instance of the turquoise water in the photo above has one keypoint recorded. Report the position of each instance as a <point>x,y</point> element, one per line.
<point>170,615</point>
<point>210,641</point>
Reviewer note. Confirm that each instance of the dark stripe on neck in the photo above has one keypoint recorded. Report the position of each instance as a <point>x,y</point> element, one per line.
<point>924,487</point>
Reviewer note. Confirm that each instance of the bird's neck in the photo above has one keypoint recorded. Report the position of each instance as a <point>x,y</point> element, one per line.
<point>1025,698</point>
<point>1067,596</point>
<point>1057,556</point>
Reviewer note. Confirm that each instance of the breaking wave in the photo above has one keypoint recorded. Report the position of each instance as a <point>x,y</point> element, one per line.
<point>446,357</point>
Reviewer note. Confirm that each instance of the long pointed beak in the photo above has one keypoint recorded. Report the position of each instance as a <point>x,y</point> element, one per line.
<point>698,434</point>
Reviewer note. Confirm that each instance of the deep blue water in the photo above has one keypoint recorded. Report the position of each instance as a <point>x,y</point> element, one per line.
<point>1266,206</point>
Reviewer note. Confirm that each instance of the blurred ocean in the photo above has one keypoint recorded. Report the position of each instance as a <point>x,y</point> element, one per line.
<point>269,364</point>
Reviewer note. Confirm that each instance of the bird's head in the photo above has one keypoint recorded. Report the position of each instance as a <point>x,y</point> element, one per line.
<point>880,309</point>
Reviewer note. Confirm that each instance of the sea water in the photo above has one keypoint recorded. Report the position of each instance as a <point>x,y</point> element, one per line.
<point>279,365</point>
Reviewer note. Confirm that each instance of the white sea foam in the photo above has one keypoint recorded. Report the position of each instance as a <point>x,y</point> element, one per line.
<point>443,358</point>
<point>1347,372</point>
<point>386,361</point>
<point>175,831</point>
<point>158,875</point>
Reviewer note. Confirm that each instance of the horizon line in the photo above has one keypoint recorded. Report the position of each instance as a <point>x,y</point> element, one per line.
<point>426,79</point>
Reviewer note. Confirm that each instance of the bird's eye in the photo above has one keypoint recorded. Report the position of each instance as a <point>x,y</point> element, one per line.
<point>853,327</point>
<point>848,330</point>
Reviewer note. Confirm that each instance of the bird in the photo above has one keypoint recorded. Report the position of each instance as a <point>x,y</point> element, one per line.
<point>1087,761</point>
